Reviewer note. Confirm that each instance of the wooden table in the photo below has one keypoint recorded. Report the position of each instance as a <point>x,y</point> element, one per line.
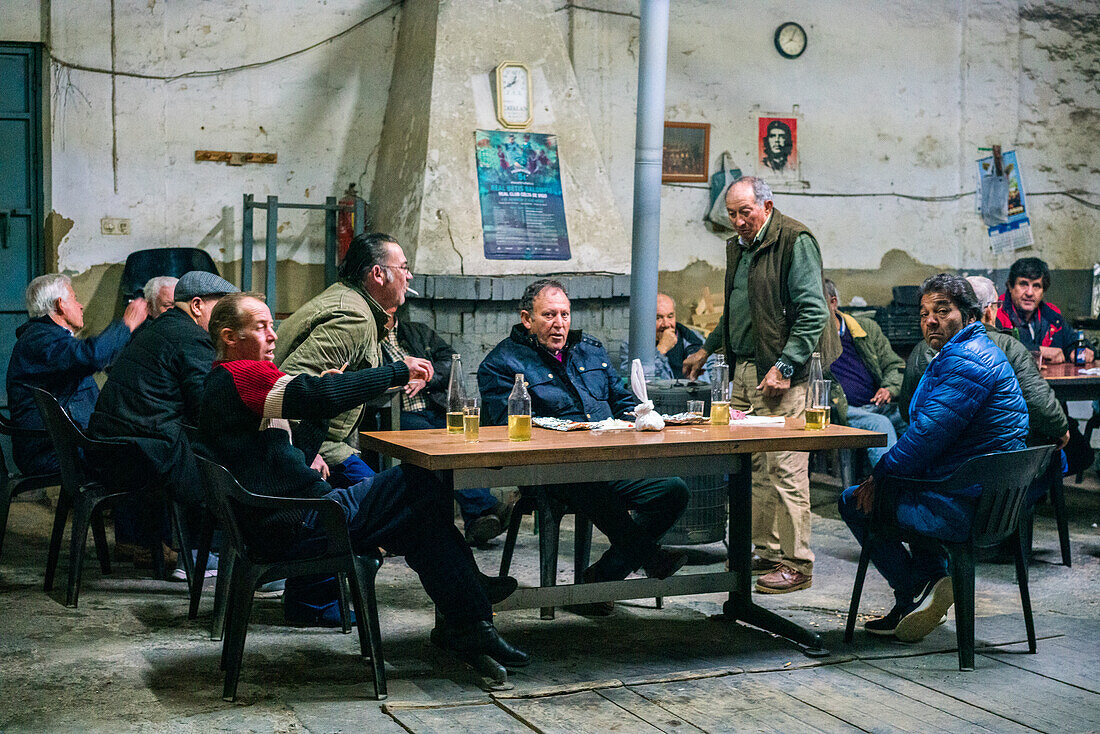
<point>553,457</point>
<point>1069,384</point>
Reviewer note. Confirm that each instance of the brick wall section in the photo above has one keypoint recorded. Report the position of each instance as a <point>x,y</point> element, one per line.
<point>473,313</point>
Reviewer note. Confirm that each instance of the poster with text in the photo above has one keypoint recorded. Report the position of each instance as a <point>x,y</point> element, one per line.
<point>1016,232</point>
<point>519,186</point>
<point>778,146</point>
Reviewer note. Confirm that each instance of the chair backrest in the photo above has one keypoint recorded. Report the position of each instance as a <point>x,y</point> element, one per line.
<point>1004,479</point>
<point>175,261</point>
<point>67,439</point>
<point>218,485</point>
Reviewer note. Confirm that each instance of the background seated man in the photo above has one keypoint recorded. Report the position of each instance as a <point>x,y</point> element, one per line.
<point>406,510</point>
<point>869,373</point>
<point>153,392</point>
<point>1039,324</point>
<point>569,375</point>
<point>674,342</point>
<point>968,403</point>
<point>47,355</point>
<point>159,294</point>
<point>424,405</point>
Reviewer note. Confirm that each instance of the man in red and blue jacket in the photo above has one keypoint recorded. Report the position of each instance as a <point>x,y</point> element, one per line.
<point>1040,325</point>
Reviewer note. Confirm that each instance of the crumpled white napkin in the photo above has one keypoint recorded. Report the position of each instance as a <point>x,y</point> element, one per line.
<point>645,417</point>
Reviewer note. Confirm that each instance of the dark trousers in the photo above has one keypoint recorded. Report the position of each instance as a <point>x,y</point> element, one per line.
<point>473,503</point>
<point>655,503</point>
<point>408,511</point>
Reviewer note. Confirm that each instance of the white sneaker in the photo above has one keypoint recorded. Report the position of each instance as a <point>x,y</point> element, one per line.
<point>179,573</point>
<point>931,611</point>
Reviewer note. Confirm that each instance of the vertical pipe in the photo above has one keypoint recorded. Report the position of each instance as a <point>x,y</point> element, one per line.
<point>360,224</point>
<point>330,240</point>
<point>271,257</point>
<point>648,144</point>
<point>247,237</point>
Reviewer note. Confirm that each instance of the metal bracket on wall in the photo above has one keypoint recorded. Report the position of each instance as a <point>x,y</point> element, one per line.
<point>235,159</point>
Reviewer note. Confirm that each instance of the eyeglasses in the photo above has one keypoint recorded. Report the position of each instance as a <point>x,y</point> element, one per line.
<point>404,267</point>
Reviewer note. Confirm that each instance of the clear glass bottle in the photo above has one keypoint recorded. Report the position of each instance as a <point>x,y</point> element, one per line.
<point>519,412</point>
<point>815,374</point>
<point>818,413</point>
<point>456,395</point>
<point>720,392</point>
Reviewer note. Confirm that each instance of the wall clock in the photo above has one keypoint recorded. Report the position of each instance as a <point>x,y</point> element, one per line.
<point>512,84</point>
<point>790,40</point>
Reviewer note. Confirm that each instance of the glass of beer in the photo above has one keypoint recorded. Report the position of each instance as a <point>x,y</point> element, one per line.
<point>817,405</point>
<point>471,419</point>
<point>720,394</point>
<point>695,407</point>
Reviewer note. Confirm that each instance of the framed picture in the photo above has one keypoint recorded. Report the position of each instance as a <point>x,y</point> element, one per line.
<point>778,145</point>
<point>686,152</point>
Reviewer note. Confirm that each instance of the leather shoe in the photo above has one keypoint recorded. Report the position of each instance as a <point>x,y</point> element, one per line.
<point>481,530</point>
<point>595,608</point>
<point>783,580</point>
<point>665,562</point>
<point>479,638</point>
<point>497,588</point>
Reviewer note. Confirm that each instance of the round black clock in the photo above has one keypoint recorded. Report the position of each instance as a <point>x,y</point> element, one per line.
<point>790,40</point>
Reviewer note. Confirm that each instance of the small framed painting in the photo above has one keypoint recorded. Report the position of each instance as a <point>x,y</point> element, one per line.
<point>686,152</point>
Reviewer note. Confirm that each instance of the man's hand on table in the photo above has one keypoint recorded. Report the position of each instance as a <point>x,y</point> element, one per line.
<point>1052,355</point>
<point>774,384</point>
<point>693,364</point>
<point>881,396</point>
<point>865,495</point>
<point>1089,355</point>
<point>419,369</point>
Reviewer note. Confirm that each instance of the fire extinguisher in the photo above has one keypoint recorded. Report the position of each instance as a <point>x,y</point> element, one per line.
<point>345,221</point>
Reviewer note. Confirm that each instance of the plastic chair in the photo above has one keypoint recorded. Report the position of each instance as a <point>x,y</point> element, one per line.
<point>549,512</point>
<point>175,261</point>
<point>82,495</point>
<point>1004,478</point>
<point>1057,493</point>
<point>13,485</point>
<point>248,569</point>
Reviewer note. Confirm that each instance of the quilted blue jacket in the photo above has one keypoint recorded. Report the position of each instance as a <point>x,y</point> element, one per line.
<point>582,387</point>
<point>968,403</point>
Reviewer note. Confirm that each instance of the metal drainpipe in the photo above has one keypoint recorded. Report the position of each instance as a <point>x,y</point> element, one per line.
<point>648,145</point>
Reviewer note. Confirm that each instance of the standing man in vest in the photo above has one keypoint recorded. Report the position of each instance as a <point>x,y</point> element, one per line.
<point>774,320</point>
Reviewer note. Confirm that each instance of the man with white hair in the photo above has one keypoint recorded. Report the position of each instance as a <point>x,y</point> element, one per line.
<point>1047,421</point>
<point>159,293</point>
<point>48,355</point>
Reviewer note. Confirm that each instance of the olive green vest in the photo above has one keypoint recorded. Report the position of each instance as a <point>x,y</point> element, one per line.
<point>769,297</point>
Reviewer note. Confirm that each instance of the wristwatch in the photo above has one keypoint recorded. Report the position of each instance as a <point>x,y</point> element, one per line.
<point>786,370</point>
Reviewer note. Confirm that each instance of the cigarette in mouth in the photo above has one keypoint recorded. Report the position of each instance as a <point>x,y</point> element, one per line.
<point>410,290</point>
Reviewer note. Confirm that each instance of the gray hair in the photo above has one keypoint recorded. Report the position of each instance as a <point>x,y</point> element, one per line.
<point>527,301</point>
<point>984,290</point>
<point>153,286</point>
<point>760,189</point>
<point>43,292</point>
<point>831,291</point>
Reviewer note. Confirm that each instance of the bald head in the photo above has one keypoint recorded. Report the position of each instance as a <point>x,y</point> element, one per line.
<point>666,315</point>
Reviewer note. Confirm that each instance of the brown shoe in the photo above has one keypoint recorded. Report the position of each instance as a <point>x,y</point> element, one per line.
<point>759,565</point>
<point>783,580</point>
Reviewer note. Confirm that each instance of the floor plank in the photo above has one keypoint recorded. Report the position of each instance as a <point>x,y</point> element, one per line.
<point>1016,694</point>
<point>1072,661</point>
<point>469,719</point>
<point>585,712</point>
<point>645,709</point>
<point>739,703</point>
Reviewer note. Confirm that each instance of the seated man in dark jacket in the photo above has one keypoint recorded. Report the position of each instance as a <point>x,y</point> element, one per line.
<point>154,392</point>
<point>569,375</point>
<point>47,355</point>
<point>424,405</point>
<point>968,403</point>
<point>243,425</point>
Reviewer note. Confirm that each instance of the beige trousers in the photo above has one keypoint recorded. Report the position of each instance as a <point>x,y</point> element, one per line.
<point>780,479</point>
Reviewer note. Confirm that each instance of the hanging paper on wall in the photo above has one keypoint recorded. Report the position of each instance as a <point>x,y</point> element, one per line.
<point>1016,232</point>
<point>519,186</point>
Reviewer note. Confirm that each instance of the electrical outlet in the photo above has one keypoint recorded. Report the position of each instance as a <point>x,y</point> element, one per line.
<point>114,225</point>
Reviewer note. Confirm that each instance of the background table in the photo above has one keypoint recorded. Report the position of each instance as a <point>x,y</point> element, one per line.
<point>554,457</point>
<point>1068,382</point>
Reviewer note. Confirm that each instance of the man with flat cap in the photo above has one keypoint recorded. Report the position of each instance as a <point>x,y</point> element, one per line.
<point>153,391</point>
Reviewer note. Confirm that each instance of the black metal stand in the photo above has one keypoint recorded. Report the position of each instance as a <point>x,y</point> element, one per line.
<point>740,605</point>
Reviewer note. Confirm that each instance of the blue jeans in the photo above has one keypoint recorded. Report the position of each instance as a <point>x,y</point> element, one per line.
<point>907,570</point>
<point>869,418</point>
<point>472,503</point>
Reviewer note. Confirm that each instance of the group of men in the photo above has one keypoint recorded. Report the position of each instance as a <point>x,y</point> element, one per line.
<point>282,409</point>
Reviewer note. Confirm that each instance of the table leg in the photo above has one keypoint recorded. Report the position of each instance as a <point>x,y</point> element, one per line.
<point>740,605</point>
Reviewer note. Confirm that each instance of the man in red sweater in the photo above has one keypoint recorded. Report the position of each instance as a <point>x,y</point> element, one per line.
<point>406,510</point>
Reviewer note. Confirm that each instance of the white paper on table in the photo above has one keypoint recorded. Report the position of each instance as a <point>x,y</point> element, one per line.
<point>645,417</point>
<point>760,420</point>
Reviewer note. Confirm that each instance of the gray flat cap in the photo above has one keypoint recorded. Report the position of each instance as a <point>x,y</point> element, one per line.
<point>201,283</point>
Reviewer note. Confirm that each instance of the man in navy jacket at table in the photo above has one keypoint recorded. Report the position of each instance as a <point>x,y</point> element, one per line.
<point>569,376</point>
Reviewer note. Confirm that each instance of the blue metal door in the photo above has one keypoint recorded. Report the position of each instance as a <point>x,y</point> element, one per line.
<point>21,220</point>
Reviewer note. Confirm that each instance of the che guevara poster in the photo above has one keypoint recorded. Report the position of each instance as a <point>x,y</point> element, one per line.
<point>519,186</point>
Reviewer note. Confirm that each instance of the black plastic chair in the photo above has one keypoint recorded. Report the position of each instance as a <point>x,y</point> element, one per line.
<point>248,569</point>
<point>1004,478</point>
<point>13,485</point>
<point>1057,493</point>
<point>549,512</point>
<point>175,261</point>
<point>83,495</point>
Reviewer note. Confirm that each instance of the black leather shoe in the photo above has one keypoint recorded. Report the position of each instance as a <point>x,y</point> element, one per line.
<point>480,638</point>
<point>595,608</point>
<point>665,562</point>
<point>497,588</point>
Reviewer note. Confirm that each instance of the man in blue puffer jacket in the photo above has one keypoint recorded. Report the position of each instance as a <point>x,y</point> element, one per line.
<point>968,403</point>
